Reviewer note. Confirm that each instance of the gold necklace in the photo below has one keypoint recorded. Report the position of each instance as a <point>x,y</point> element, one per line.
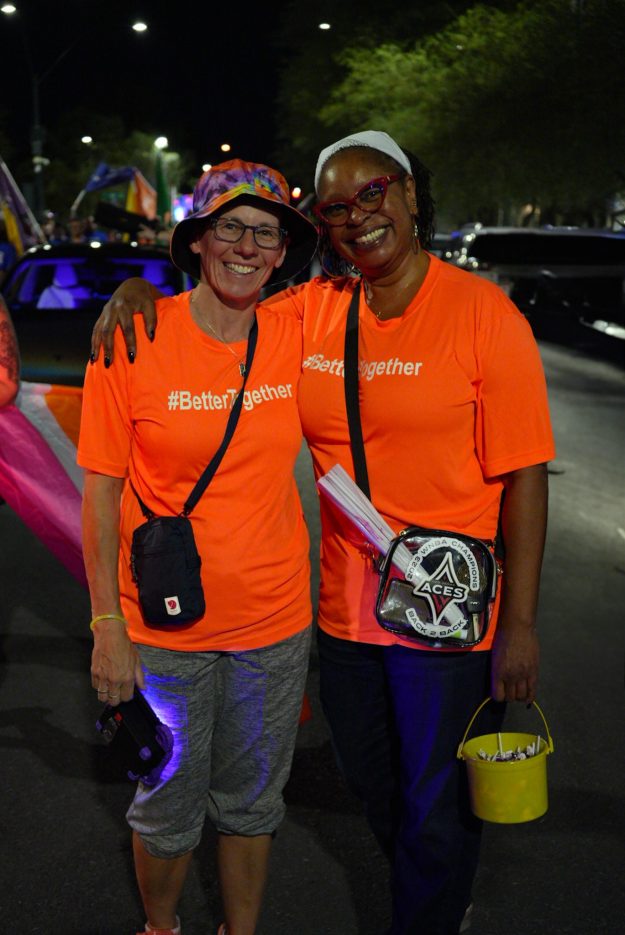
<point>221,340</point>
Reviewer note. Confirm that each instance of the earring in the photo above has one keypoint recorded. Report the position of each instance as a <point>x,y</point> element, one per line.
<point>415,231</point>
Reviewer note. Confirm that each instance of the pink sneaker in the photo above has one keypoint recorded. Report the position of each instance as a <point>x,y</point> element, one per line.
<point>152,931</point>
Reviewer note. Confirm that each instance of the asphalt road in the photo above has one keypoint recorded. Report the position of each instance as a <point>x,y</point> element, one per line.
<point>64,847</point>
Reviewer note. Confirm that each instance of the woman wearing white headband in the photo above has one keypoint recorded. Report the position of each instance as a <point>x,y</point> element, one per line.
<point>454,413</point>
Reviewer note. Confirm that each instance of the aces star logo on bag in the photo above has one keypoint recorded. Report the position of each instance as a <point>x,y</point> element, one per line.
<point>442,588</point>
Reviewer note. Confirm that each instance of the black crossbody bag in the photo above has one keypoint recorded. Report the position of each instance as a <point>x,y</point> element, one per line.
<point>164,559</point>
<point>446,597</point>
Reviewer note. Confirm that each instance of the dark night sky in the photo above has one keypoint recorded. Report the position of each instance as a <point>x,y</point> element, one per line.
<point>204,73</point>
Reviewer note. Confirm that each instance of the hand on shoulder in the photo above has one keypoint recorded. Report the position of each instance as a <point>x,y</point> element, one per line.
<point>134,296</point>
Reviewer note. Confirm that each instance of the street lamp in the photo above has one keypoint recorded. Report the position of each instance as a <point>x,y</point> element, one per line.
<point>325,26</point>
<point>225,147</point>
<point>37,132</point>
<point>140,26</point>
<point>163,199</point>
<point>87,140</point>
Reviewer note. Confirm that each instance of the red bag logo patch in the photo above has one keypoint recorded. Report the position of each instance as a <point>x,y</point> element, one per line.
<point>172,606</point>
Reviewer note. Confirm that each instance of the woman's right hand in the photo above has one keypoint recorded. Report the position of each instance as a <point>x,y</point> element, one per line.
<point>133,295</point>
<point>115,663</point>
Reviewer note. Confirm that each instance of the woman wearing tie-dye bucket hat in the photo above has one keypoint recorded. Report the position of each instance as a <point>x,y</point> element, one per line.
<point>229,683</point>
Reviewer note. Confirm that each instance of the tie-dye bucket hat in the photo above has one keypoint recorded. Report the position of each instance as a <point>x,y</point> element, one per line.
<point>237,179</point>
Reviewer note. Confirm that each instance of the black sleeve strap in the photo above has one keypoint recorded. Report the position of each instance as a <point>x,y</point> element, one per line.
<point>352,404</point>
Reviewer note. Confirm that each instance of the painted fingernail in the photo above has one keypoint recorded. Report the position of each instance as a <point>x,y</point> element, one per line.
<point>107,362</point>
<point>131,356</point>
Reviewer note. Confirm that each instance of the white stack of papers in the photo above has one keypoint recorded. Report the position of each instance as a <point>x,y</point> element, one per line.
<point>338,486</point>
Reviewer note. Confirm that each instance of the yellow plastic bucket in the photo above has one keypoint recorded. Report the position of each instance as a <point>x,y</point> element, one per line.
<point>510,791</point>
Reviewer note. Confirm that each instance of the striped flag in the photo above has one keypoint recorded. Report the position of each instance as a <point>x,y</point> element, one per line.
<point>141,197</point>
<point>39,477</point>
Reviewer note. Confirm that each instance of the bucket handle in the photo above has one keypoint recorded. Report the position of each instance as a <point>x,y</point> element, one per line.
<point>485,702</point>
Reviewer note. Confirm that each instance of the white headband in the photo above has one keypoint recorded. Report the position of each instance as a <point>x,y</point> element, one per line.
<point>375,139</point>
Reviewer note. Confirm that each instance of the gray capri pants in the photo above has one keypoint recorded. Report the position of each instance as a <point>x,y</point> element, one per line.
<point>234,717</point>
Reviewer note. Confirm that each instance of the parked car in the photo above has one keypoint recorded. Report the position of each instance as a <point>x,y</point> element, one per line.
<point>554,275</point>
<point>440,245</point>
<point>55,293</point>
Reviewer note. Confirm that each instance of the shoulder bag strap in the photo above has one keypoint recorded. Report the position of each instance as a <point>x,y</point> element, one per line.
<point>352,404</point>
<point>233,418</point>
<point>353,413</point>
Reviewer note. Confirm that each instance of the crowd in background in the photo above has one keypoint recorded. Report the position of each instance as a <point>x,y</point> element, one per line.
<point>86,230</point>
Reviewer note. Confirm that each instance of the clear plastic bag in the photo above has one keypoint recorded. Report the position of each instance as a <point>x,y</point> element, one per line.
<point>446,595</point>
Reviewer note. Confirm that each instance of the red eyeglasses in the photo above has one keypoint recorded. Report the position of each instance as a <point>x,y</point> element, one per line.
<point>368,198</point>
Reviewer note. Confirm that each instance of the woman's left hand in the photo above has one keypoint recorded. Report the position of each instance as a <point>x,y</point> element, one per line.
<point>514,672</point>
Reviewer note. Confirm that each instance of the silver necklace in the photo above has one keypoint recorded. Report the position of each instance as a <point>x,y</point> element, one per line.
<point>369,297</point>
<point>238,359</point>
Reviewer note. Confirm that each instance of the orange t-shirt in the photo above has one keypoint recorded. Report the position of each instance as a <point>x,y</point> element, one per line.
<point>159,421</point>
<point>452,396</point>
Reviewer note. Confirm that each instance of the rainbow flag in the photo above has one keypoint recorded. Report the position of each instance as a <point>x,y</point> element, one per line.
<point>39,477</point>
<point>141,196</point>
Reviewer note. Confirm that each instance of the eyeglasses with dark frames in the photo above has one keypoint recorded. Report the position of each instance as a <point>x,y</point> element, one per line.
<point>369,198</point>
<point>229,230</point>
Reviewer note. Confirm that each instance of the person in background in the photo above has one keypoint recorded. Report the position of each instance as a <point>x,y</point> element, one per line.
<point>454,413</point>
<point>93,232</point>
<point>9,358</point>
<point>77,230</point>
<point>8,253</point>
<point>53,229</point>
<point>230,684</point>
